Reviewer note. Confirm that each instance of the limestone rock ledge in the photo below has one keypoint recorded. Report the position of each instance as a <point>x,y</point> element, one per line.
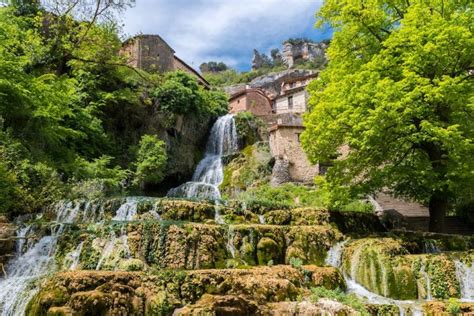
<point>243,291</point>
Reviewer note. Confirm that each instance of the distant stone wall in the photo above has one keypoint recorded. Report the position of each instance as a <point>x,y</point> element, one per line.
<point>285,144</point>
<point>150,53</point>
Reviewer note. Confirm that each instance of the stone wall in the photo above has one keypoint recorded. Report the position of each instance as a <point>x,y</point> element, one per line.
<point>150,53</point>
<point>238,104</point>
<point>299,102</point>
<point>285,144</point>
<point>251,100</point>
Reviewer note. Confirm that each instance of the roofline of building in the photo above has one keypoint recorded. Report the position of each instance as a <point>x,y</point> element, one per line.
<point>147,35</point>
<point>277,126</point>
<point>290,80</point>
<point>259,91</point>
<point>193,70</point>
<point>290,91</point>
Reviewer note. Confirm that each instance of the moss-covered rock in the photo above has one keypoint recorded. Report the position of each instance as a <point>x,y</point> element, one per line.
<point>385,266</point>
<point>137,293</point>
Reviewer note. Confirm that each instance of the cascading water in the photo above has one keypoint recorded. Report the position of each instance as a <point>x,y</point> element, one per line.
<point>125,213</point>
<point>37,258</point>
<point>334,259</point>
<point>209,172</point>
<point>465,276</point>
<point>427,279</point>
<point>22,272</point>
<point>334,256</point>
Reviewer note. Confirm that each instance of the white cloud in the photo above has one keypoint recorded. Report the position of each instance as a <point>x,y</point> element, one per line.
<point>223,30</point>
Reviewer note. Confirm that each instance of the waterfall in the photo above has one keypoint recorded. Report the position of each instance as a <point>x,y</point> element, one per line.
<point>230,240</point>
<point>22,273</point>
<point>430,246</point>
<point>75,256</point>
<point>427,279</point>
<point>465,276</point>
<point>218,217</point>
<point>209,172</point>
<point>125,213</point>
<point>261,219</point>
<point>22,241</point>
<point>334,257</point>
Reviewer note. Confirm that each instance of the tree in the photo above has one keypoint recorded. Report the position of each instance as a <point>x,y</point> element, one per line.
<point>399,91</point>
<point>151,160</point>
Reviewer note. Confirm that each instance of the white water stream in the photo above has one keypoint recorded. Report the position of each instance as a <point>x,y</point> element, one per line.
<point>465,275</point>
<point>334,259</point>
<point>209,173</point>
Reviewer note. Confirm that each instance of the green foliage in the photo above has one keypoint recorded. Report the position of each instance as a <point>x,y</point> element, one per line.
<point>213,66</point>
<point>290,195</point>
<point>151,160</point>
<point>398,90</point>
<point>453,308</point>
<point>180,93</point>
<point>339,295</point>
<point>296,263</point>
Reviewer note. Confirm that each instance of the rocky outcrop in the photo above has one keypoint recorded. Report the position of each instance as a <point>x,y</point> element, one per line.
<point>240,291</point>
<point>387,267</point>
<point>271,83</point>
<point>7,241</point>
<point>280,172</point>
<point>303,50</point>
<point>185,137</point>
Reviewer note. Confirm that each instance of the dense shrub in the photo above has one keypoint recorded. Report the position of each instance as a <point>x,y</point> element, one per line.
<point>151,160</point>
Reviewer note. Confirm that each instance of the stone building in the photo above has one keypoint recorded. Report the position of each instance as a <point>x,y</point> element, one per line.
<point>293,97</point>
<point>152,53</point>
<point>252,100</point>
<point>291,163</point>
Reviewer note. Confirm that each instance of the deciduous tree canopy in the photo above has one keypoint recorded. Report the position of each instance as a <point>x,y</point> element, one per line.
<point>399,90</point>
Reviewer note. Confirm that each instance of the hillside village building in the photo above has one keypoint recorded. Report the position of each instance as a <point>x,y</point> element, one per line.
<point>293,97</point>
<point>291,162</point>
<point>252,100</point>
<point>152,53</point>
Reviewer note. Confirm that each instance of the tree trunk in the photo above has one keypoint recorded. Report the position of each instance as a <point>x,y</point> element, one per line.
<point>438,206</point>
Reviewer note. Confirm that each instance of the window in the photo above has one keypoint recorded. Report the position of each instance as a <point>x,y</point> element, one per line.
<point>290,102</point>
<point>298,137</point>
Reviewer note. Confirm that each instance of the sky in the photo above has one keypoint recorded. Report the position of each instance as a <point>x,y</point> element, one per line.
<point>224,30</point>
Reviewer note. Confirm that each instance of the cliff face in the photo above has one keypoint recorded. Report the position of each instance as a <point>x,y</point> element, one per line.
<point>293,51</point>
<point>185,137</point>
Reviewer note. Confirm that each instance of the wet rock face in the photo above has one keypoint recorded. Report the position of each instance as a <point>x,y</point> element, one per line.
<point>385,266</point>
<point>218,292</point>
<point>7,240</point>
<point>199,246</point>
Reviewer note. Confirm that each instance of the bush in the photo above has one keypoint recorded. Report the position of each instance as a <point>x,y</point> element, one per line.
<point>151,160</point>
<point>339,295</point>
<point>180,93</point>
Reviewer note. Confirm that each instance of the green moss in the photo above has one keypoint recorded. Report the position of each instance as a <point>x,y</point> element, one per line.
<point>267,249</point>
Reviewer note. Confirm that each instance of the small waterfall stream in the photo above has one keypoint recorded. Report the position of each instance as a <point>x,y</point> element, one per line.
<point>36,254</point>
<point>209,173</point>
<point>465,275</point>
<point>334,259</point>
<point>18,287</point>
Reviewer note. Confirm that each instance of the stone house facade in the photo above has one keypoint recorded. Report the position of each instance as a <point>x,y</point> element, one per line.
<point>152,53</point>
<point>293,97</point>
<point>252,100</point>
<point>290,158</point>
